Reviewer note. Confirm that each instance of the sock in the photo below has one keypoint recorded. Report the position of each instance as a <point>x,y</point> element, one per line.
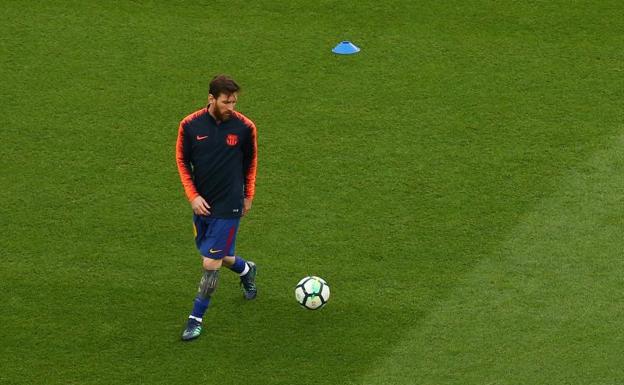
<point>240,266</point>
<point>199,307</point>
<point>245,271</point>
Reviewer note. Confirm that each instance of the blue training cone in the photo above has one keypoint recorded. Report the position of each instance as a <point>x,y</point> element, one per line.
<point>345,48</point>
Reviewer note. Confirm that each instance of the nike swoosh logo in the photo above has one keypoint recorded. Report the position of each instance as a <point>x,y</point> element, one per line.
<point>201,137</point>
<point>214,251</point>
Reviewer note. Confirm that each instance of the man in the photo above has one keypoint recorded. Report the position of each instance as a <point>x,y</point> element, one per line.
<point>216,154</point>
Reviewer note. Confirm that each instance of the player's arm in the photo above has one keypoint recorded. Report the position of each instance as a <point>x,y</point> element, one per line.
<point>250,164</point>
<point>183,151</point>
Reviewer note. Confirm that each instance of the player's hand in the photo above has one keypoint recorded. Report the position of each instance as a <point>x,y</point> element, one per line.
<point>200,206</point>
<point>246,205</point>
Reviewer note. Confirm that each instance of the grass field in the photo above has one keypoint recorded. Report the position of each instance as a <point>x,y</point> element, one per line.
<point>459,183</point>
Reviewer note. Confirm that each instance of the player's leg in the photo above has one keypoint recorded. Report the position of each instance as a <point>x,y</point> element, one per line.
<point>207,287</point>
<point>207,237</point>
<point>245,269</point>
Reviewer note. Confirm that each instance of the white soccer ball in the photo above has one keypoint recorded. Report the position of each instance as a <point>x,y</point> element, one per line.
<point>312,292</point>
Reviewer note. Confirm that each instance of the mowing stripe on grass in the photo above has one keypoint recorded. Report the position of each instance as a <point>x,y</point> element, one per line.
<point>545,308</point>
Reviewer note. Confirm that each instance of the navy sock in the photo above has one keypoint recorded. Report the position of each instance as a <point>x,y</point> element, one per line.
<point>239,265</point>
<point>199,306</point>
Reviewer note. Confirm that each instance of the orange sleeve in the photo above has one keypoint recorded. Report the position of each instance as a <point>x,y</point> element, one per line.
<point>250,157</point>
<point>184,165</point>
<point>250,182</point>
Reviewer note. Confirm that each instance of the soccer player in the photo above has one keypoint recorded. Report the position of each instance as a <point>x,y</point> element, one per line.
<point>216,154</point>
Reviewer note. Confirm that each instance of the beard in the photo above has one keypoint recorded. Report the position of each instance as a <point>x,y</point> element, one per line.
<point>221,115</point>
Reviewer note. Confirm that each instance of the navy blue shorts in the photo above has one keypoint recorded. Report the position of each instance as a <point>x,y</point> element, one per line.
<point>215,237</point>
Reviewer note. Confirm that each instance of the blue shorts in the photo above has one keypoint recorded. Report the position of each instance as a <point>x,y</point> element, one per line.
<point>215,237</point>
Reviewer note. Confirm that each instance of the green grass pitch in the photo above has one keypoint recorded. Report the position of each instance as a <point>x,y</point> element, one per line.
<point>458,183</point>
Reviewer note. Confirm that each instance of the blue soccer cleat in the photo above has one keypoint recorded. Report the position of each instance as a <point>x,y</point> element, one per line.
<point>192,331</point>
<point>248,282</point>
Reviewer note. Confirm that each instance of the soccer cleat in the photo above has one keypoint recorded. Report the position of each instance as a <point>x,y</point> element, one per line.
<point>192,331</point>
<point>248,282</point>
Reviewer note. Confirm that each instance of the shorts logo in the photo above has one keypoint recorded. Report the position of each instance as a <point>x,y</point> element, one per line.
<point>231,140</point>
<point>212,251</point>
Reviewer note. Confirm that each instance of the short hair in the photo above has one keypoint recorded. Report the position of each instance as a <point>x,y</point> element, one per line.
<point>223,84</point>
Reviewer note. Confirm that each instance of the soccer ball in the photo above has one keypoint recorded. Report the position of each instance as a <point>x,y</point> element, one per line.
<point>312,292</point>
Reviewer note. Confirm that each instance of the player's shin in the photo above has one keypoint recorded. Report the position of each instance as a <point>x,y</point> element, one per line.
<point>207,286</point>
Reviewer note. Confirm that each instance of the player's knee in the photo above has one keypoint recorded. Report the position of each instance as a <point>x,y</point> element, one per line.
<point>228,261</point>
<point>208,283</point>
<point>211,264</point>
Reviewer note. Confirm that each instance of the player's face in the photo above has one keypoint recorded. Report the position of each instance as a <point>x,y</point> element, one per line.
<point>223,105</point>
